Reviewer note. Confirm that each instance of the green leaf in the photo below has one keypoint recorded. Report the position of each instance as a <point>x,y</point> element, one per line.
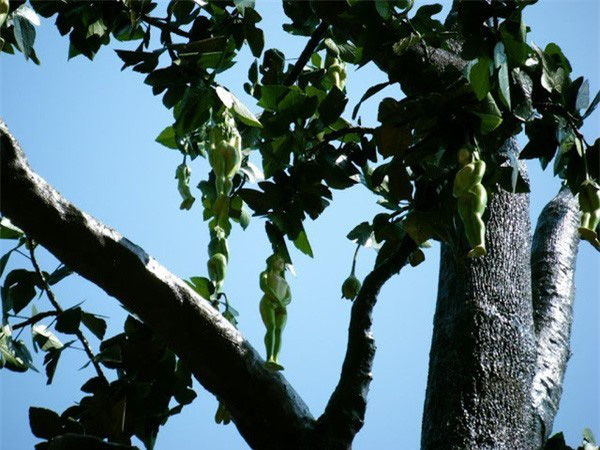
<point>503,81</point>
<point>44,423</point>
<point>278,242</point>
<point>202,286</point>
<point>27,13</point>
<point>583,96</point>
<point>167,138</point>
<point>244,217</point>
<point>361,233</point>
<point>422,226</point>
<point>44,338</point>
<point>13,354</point>
<point>271,95</point>
<point>383,8</point>
<point>19,287</point>
<point>4,261</point>
<point>232,102</point>
<point>58,275</point>
<point>24,33</point>
<point>592,106</point>
<point>225,96</point>
<point>302,244</point>
<point>244,114</point>
<point>489,122</point>
<point>51,361</point>
<point>94,323</point>
<point>68,321</point>
<point>96,29</point>
<point>241,5</point>
<point>479,77</point>
<point>368,94</point>
<point>333,106</point>
<point>8,230</point>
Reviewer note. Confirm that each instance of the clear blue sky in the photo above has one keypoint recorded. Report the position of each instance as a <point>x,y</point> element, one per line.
<point>89,130</point>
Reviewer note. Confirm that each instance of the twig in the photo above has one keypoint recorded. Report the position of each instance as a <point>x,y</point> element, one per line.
<point>168,40</point>
<point>34,319</point>
<point>165,26</point>
<point>311,45</point>
<point>59,309</point>
<point>339,134</point>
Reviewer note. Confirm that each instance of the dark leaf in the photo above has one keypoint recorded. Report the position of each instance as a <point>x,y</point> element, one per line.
<point>333,106</point>
<point>592,106</point>
<point>583,96</point>
<point>68,321</point>
<point>302,244</point>
<point>167,138</point>
<point>24,35</point>
<point>361,233</point>
<point>58,275</point>
<point>479,77</point>
<point>44,423</point>
<point>8,230</point>
<point>202,286</point>
<point>94,323</point>
<point>368,94</point>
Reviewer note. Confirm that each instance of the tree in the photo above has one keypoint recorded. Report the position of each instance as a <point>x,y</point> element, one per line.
<point>417,140</point>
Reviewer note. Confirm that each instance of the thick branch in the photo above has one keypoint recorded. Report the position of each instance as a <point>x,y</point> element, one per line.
<point>311,45</point>
<point>345,412</point>
<point>265,408</point>
<point>553,258</point>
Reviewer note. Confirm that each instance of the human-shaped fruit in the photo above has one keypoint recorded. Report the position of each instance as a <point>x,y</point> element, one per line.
<point>225,151</point>
<point>336,71</point>
<point>277,296</point>
<point>589,203</point>
<point>217,267</point>
<point>472,199</point>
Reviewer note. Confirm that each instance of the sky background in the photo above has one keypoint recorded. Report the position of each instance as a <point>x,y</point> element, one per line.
<point>89,130</point>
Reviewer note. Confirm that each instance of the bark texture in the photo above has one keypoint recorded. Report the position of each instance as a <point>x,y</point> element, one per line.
<point>266,409</point>
<point>553,256</point>
<point>483,350</point>
<point>345,412</point>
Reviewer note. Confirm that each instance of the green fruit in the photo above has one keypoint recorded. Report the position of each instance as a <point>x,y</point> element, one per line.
<point>218,245</point>
<point>217,268</point>
<point>221,206</point>
<point>351,287</point>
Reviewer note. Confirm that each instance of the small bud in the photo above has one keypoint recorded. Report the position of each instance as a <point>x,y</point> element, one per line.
<point>350,287</point>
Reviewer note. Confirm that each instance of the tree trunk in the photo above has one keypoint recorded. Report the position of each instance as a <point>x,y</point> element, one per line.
<point>483,349</point>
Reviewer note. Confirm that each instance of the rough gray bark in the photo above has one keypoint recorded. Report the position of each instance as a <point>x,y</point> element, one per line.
<point>266,409</point>
<point>553,256</point>
<point>483,350</point>
<point>345,411</point>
